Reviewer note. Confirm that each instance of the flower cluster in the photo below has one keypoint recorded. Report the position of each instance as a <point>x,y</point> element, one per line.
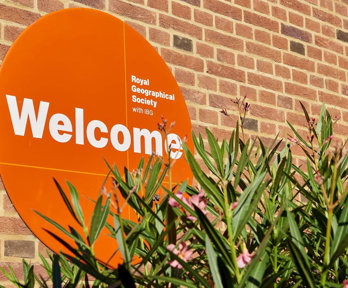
<point>183,253</point>
<point>196,200</point>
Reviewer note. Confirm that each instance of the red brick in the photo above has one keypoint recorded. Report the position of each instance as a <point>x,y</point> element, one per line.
<point>181,10</point>
<point>341,129</point>
<point>99,4</point>
<point>267,128</point>
<point>327,17</point>
<point>267,97</point>
<point>297,5</point>
<point>344,89</point>
<point>284,102</point>
<point>158,4</point>
<point>137,27</point>
<point>296,118</point>
<point>263,36</point>
<point>221,134</point>
<point>261,6</point>
<point>227,87</point>
<point>225,71</point>
<point>296,19</point>
<point>331,85</point>
<point>280,42</point>
<point>244,3</point>
<point>224,24</point>
<point>184,76</point>
<point>328,31</point>
<point>263,51</point>
<point>261,21</point>
<point>265,82</point>
<point>341,9</point>
<point>244,31</point>
<point>299,90</point>
<point>312,25</point>
<point>327,4</point>
<point>331,72</point>
<point>132,11</point>
<point>330,58</point>
<point>226,56</point>
<point>279,13</point>
<point>333,99</point>
<point>223,8</point>
<point>314,2</point>
<point>159,36</point>
<point>203,17</point>
<point>299,62</point>
<point>248,91</point>
<point>204,50</point>
<point>28,3</point>
<point>192,112</point>
<point>299,77</point>
<point>264,66</point>
<point>187,61</point>
<point>222,102</point>
<point>229,121</point>
<point>194,96</point>
<point>8,206</point>
<point>12,32</point>
<point>17,15</point>
<point>138,1</point>
<point>267,113</point>
<point>296,33</point>
<point>11,225</point>
<point>343,62</point>
<point>19,248</point>
<point>317,81</point>
<point>282,71</point>
<point>345,116</point>
<point>3,51</point>
<point>193,2</point>
<point>180,25</point>
<point>314,52</point>
<point>208,116</point>
<point>245,61</point>
<point>224,40</point>
<point>207,82</point>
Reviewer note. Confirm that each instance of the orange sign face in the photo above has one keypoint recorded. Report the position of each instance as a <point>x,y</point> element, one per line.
<point>77,87</point>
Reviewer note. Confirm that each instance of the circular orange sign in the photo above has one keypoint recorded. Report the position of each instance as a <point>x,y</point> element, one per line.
<point>77,87</point>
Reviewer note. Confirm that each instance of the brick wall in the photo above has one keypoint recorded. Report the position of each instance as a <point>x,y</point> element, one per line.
<point>277,52</point>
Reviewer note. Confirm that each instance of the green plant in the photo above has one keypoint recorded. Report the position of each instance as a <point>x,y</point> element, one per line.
<point>255,219</point>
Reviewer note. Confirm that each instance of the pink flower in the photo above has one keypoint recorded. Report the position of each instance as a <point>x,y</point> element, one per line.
<point>196,200</point>
<point>244,258</point>
<point>345,283</point>
<point>234,205</point>
<point>293,140</point>
<point>183,253</point>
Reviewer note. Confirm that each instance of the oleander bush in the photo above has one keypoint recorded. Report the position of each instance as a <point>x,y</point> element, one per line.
<point>253,219</point>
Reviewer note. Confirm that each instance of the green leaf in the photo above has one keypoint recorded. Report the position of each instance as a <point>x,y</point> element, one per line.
<point>57,281</point>
<point>66,201</point>
<point>247,204</point>
<point>122,245</point>
<point>256,276</point>
<point>217,239</point>
<point>76,203</point>
<point>209,187</point>
<point>99,217</point>
<point>342,229</point>
<point>241,165</point>
<point>301,264</point>
<point>299,136</point>
<point>201,151</point>
<point>212,258</point>
<point>183,283</point>
<point>216,152</point>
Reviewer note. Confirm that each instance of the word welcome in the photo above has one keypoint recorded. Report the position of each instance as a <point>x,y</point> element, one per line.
<point>61,130</point>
